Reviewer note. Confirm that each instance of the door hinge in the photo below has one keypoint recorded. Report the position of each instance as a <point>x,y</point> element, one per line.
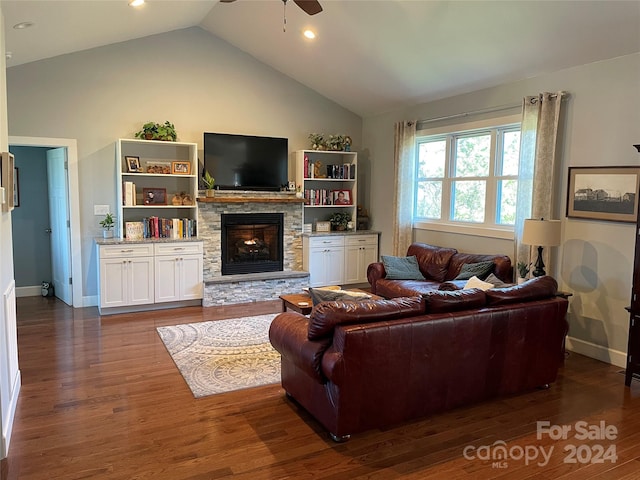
<point>68,223</point>
<point>70,281</point>
<point>66,164</point>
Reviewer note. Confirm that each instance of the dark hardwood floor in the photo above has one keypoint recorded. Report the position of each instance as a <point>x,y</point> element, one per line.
<point>101,398</point>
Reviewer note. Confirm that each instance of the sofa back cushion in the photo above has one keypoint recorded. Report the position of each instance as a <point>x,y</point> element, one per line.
<point>440,301</point>
<point>433,261</point>
<point>534,289</point>
<point>502,265</point>
<point>325,316</point>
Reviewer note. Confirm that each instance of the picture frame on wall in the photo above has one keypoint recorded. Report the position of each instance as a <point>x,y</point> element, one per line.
<point>16,188</point>
<point>154,196</point>
<point>7,173</point>
<point>603,193</point>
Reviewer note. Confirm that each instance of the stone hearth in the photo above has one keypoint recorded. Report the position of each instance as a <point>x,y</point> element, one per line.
<point>225,289</point>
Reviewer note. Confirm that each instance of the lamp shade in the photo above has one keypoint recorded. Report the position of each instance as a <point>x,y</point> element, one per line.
<point>545,233</point>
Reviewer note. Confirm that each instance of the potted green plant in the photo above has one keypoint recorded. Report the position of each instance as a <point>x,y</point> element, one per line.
<point>317,141</point>
<point>523,271</point>
<point>208,182</point>
<point>107,223</point>
<point>340,220</point>
<point>158,131</point>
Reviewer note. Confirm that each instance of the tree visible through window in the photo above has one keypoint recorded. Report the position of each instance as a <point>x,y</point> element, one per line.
<point>468,177</point>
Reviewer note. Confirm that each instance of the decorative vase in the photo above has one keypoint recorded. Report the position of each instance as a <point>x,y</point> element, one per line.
<point>210,193</point>
<point>340,228</point>
<point>107,233</point>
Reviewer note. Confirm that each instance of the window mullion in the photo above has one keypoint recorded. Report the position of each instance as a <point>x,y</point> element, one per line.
<point>490,205</point>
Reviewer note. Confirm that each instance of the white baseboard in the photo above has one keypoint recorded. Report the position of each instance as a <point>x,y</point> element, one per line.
<point>604,354</point>
<point>31,291</point>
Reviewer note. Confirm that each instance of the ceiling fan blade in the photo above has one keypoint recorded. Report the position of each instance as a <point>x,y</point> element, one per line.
<point>311,7</point>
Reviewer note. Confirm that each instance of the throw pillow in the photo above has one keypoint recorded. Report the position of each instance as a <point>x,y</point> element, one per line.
<point>496,282</point>
<point>402,268</point>
<point>480,270</point>
<point>319,295</point>
<point>475,282</point>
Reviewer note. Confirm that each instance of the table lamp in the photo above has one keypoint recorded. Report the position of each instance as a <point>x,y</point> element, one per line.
<point>543,233</point>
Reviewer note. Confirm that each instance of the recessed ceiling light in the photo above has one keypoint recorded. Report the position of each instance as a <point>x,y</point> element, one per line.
<point>310,34</point>
<point>135,3</point>
<point>23,25</point>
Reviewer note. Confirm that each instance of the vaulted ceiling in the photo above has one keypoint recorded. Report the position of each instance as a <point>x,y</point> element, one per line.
<point>368,56</point>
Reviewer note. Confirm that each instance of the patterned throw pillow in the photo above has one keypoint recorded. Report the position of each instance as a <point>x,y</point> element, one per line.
<point>402,268</point>
<point>480,270</point>
<point>496,282</point>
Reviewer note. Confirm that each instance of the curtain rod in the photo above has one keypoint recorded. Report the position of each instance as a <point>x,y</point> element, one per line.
<point>421,123</point>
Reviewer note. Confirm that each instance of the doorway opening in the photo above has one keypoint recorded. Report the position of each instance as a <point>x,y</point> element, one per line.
<point>59,229</point>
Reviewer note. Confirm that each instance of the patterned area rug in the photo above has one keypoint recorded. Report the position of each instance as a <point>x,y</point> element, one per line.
<point>224,355</point>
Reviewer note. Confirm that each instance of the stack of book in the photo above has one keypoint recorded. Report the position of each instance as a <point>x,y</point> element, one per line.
<point>155,227</point>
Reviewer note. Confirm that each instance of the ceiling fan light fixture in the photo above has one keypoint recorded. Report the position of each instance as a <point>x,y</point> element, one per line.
<point>310,34</point>
<point>136,3</point>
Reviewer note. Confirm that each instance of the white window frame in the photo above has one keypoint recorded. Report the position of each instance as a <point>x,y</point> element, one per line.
<point>489,228</point>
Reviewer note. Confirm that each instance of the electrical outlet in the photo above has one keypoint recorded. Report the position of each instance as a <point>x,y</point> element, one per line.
<point>100,209</point>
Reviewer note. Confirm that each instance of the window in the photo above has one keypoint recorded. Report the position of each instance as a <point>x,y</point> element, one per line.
<point>468,177</point>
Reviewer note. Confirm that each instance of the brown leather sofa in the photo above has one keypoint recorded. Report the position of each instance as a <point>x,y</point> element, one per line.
<point>356,366</point>
<point>438,265</point>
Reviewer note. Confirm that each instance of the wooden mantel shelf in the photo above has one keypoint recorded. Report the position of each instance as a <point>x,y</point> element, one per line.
<point>245,199</point>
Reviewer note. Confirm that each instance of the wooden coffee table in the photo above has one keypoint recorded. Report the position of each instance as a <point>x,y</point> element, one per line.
<point>297,301</point>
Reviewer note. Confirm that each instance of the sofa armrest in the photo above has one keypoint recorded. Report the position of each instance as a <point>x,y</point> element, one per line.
<point>288,335</point>
<point>375,272</point>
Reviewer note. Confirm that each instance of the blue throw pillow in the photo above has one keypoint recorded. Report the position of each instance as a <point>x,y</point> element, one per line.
<point>480,270</point>
<point>402,268</point>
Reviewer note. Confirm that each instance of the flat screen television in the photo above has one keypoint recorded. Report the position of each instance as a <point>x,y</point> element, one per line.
<point>244,162</point>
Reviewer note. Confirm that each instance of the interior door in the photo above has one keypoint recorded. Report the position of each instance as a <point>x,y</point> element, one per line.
<point>60,227</point>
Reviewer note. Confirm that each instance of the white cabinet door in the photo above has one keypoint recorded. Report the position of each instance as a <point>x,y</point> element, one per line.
<point>326,266</point>
<point>179,269</point>
<point>167,281</point>
<point>113,282</point>
<point>140,277</point>
<point>360,251</point>
<point>191,286</point>
<point>126,281</point>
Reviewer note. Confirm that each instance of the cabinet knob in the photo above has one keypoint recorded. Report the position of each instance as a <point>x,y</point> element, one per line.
<point>127,251</point>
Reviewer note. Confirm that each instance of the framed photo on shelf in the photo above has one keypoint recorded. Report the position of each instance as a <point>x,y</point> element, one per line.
<point>603,193</point>
<point>133,164</point>
<point>181,168</point>
<point>323,226</point>
<point>154,196</point>
<point>341,197</point>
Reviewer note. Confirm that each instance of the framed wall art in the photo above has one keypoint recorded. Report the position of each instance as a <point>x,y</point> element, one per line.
<point>603,193</point>
<point>7,173</point>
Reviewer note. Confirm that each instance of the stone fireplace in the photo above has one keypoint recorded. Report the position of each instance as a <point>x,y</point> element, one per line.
<point>223,286</point>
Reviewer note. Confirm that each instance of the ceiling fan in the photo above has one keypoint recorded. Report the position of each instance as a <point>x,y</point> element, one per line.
<point>310,7</point>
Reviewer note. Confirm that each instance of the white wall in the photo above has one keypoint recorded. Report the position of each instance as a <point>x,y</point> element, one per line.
<point>189,77</point>
<point>600,126</point>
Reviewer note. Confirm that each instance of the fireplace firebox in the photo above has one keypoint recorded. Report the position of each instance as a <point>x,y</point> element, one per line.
<point>251,243</point>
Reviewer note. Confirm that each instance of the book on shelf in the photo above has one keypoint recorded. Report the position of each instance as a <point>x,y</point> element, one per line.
<point>155,227</point>
<point>129,194</point>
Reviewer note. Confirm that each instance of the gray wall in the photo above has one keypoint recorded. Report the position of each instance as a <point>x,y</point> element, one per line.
<point>600,126</point>
<point>189,77</point>
<point>31,244</point>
